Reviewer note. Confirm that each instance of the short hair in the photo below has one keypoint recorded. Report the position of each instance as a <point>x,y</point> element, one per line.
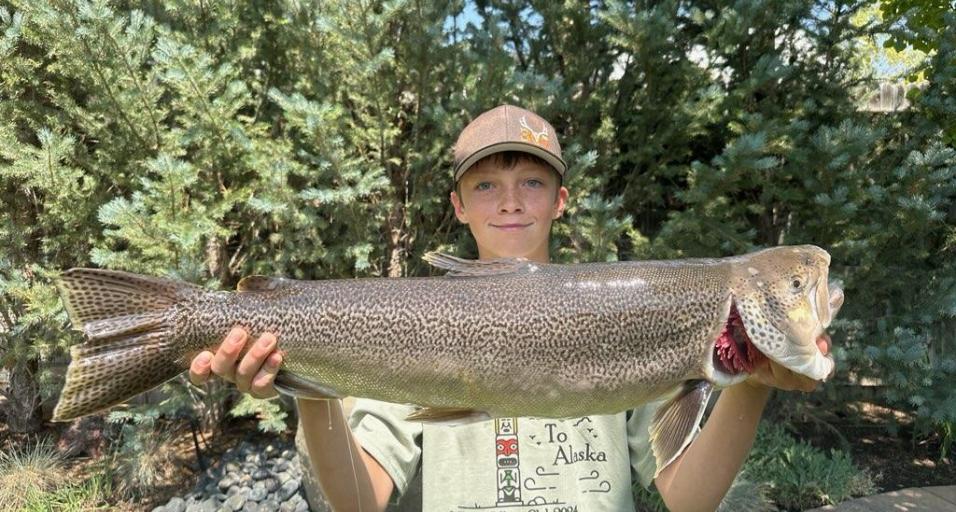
<point>508,160</point>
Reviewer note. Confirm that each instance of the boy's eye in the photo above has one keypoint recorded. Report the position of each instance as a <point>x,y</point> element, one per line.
<point>535,182</point>
<point>483,185</point>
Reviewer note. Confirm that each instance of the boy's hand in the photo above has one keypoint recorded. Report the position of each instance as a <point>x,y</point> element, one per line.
<point>769,373</point>
<point>254,374</point>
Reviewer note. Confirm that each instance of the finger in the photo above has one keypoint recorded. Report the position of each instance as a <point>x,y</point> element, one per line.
<point>788,380</point>
<point>796,381</point>
<point>252,362</point>
<point>199,368</point>
<point>262,384</point>
<point>224,361</point>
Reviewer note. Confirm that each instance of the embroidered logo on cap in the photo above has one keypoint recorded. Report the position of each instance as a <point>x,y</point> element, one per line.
<point>528,134</point>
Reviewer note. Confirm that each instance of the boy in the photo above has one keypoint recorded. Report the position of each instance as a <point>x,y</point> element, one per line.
<point>508,189</point>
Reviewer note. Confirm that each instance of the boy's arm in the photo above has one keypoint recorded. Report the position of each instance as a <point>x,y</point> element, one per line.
<point>327,435</point>
<point>699,478</point>
<point>331,445</point>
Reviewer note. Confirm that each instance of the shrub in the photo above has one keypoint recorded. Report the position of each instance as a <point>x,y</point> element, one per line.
<point>801,476</point>
<point>143,460</point>
<point>793,475</point>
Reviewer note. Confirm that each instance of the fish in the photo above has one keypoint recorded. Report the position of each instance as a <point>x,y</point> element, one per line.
<point>495,338</point>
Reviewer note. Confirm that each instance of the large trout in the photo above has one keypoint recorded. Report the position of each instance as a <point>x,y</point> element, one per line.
<point>498,338</point>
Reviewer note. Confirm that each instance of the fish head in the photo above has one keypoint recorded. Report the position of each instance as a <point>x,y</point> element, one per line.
<point>785,303</point>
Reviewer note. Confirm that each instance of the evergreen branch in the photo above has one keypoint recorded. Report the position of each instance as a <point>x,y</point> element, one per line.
<point>199,94</point>
<point>99,73</point>
<point>136,82</point>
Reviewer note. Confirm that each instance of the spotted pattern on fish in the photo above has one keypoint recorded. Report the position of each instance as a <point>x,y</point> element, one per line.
<point>509,339</point>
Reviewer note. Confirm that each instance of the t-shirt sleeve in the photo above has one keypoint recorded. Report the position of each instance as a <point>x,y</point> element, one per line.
<point>383,432</point>
<point>639,441</point>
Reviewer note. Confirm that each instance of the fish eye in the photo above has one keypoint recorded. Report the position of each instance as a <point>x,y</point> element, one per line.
<point>796,283</point>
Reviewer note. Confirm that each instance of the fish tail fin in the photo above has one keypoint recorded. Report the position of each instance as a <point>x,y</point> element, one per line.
<point>130,346</point>
<point>675,422</point>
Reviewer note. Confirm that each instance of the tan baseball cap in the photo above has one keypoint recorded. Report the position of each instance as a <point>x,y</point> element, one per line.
<point>507,128</point>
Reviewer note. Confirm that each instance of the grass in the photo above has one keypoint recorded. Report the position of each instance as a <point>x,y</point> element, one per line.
<point>28,471</point>
<point>32,479</point>
<point>144,462</point>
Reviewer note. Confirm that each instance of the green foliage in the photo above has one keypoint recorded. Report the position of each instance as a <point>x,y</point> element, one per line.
<point>272,417</point>
<point>142,460</point>
<point>801,476</point>
<point>928,26</point>
<point>922,21</point>
<point>783,472</point>
<point>312,140</point>
<point>884,61</point>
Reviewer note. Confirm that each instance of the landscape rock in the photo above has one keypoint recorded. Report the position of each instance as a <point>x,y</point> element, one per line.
<point>247,478</point>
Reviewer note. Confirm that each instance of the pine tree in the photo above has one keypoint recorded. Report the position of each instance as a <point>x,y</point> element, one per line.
<point>313,140</point>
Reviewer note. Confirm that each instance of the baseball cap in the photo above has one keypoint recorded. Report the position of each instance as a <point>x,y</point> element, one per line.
<point>507,128</point>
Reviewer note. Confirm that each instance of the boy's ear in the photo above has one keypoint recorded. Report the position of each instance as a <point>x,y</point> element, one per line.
<point>459,207</point>
<point>560,202</point>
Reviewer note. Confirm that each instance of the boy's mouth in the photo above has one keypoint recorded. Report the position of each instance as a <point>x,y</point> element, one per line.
<point>511,226</point>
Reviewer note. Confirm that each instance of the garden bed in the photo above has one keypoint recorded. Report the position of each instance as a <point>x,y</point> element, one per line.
<point>895,462</point>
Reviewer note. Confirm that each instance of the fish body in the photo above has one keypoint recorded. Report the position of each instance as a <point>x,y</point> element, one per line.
<point>501,338</point>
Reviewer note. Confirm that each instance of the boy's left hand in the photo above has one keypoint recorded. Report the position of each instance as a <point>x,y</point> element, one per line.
<point>769,373</point>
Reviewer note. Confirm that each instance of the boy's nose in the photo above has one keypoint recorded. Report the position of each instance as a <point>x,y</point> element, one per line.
<point>510,202</point>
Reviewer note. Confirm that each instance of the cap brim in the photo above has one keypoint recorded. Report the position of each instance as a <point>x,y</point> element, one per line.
<point>538,151</point>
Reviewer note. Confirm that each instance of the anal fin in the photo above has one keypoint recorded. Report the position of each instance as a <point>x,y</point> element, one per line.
<point>674,423</point>
<point>299,387</point>
<point>448,415</point>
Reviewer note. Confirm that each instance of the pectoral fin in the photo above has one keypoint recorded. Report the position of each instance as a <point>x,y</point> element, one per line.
<point>448,416</point>
<point>293,385</point>
<point>675,421</point>
<point>257,283</point>
<point>460,267</point>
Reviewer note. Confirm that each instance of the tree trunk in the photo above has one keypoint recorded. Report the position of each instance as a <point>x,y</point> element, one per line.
<point>24,414</point>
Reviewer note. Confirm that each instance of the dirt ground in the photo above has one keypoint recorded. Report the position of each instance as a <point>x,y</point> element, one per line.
<point>897,460</point>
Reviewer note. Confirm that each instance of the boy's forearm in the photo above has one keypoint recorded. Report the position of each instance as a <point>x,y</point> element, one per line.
<point>328,438</point>
<point>700,477</point>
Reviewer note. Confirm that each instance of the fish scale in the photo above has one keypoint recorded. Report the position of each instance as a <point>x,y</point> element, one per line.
<point>490,339</point>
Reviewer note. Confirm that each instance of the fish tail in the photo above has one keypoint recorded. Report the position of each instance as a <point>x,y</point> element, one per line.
<point>130,347</point>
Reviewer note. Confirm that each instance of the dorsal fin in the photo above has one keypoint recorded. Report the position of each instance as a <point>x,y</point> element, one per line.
<point>461,267</point>
<point>258,283</point>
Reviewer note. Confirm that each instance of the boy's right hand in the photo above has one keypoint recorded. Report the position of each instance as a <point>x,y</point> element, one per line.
<point>254,374</point>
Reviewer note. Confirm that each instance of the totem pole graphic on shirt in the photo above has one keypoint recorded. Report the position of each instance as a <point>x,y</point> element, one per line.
<point>506,458</point>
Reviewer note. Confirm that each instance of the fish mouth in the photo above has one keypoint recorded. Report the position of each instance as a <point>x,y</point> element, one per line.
<point>734,352</point>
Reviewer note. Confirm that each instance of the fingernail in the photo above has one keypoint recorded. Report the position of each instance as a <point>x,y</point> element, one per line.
<point>266,342</point>
<point>235,336</point>
<point>203,358</point>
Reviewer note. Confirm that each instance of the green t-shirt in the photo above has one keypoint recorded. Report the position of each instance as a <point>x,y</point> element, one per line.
<point>513,464</point>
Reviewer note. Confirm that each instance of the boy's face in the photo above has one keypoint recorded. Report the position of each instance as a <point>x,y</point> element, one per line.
<point>509,211</point>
